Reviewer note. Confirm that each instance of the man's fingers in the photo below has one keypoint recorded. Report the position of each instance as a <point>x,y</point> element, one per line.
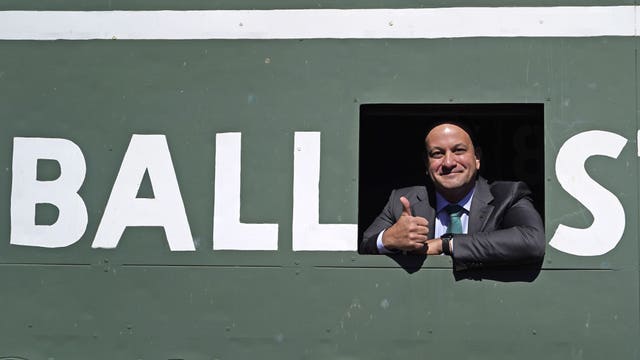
<point>419,238</point>
<point>421,221</point>
<point>406,206</point>
<point>422,230</point>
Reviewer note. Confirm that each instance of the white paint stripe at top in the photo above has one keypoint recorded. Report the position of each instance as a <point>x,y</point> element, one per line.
<point>568,21</point>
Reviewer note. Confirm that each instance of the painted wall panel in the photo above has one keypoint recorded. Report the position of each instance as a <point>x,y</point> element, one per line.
<point>143,301</point>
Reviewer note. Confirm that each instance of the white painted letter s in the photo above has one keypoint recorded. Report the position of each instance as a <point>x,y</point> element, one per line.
<point>608,214</point>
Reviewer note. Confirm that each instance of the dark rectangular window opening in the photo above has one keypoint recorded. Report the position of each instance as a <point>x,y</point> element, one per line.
<point>391,149</point>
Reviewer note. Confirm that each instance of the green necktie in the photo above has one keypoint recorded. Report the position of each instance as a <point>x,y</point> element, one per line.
<point>455,225</point>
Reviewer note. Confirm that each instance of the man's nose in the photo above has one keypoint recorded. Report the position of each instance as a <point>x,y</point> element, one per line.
<point>448,160</point>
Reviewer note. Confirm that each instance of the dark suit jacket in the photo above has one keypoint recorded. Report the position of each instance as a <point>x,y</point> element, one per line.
<point>504,227</point>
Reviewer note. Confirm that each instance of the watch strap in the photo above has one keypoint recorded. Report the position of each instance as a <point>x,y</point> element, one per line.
<point>446,243</point>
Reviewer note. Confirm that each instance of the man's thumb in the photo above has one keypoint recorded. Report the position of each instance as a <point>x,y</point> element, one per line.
<point>406,206</point>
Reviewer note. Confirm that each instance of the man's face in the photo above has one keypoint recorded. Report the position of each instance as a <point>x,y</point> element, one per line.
<point>451,160</point>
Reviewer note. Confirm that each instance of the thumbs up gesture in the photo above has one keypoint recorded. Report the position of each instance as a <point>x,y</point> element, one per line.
<point>409,233</point>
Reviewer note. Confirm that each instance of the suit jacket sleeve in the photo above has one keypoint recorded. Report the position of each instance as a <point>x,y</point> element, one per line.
<point>389,215</point>
<point>514,232</point>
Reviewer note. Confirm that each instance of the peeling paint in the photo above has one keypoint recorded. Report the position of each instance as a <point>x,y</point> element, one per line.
<point>385,304</point>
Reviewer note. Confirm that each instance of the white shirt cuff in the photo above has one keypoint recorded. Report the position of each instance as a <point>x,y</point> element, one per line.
<point>381,248</point>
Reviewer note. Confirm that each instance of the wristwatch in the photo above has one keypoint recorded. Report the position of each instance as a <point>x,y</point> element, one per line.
<point>446,243</point>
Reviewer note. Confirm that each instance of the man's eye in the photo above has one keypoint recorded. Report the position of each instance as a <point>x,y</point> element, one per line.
<point>436,155</point>
<point>459,151</point>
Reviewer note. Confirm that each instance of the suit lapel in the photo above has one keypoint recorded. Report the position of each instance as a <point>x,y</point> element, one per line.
<point>480,207</point>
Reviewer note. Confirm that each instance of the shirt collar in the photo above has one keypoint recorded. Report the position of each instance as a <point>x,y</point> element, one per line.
<point>465,202</point>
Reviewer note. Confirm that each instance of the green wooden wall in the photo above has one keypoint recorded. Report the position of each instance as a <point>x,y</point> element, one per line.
<point>143,301</point>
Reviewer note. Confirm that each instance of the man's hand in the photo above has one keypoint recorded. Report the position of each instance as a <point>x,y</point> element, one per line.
<point>409,233</point>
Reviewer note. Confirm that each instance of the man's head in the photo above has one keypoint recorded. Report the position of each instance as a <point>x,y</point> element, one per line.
<point>452,161</point>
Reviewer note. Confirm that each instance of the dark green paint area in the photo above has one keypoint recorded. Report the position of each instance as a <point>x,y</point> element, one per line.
<point>47,170</point>
<point>46,214</point>
<point>99,93</point>
<point>311,313</point>
<point>145,190</point>
<point>142,301</point>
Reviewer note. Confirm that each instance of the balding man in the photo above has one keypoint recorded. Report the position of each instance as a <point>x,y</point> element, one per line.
<point>460,215</point>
